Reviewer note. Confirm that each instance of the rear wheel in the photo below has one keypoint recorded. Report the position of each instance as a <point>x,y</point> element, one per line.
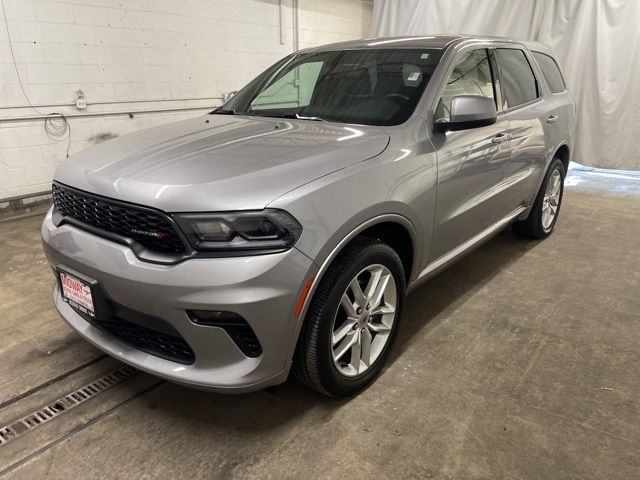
<point>352,320</point>
<point>546,208</point>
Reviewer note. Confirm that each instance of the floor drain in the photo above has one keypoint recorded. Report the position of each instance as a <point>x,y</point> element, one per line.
<point>69,401</point>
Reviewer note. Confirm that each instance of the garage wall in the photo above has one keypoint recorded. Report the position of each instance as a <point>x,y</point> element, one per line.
<point>139,63</point>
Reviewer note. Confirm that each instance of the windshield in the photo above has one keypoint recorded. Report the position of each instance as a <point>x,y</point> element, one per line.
<point>371,87</point>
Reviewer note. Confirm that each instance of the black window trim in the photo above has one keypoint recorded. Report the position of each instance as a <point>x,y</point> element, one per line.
<point>495,78</point>
<point>539,97</point>
<point>564,80</point>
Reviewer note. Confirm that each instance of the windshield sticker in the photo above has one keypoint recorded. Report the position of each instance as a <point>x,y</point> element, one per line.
<point>424,56</point>
<point>413,76</point>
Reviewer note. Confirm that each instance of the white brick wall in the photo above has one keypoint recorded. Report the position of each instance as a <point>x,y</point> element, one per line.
<point>139,54</point>
<point>332,21</point>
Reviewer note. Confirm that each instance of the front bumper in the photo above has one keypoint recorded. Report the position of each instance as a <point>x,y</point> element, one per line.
<point>263,289</point>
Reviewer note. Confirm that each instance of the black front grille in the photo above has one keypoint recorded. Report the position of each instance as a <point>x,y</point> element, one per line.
<point>149,228</point>
<point>160,344</point>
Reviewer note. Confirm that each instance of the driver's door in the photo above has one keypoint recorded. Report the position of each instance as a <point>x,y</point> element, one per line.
<point>471,163</point>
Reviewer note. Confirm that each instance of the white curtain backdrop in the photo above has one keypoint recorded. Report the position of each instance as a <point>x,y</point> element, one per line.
<point>596,41</point>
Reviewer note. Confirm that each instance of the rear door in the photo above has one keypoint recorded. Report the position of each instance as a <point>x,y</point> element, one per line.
<point>524,106</point>
<point>471,162</point>
<point>558,125</point>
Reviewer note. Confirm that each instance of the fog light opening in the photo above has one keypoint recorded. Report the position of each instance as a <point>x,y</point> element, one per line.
<point>215,318</point>
<point>236,327</point>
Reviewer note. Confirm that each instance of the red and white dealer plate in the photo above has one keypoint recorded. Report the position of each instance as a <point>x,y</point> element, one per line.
<point>77,293</point>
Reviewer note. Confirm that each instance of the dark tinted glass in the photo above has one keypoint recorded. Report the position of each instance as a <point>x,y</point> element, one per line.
<point>369,86</point>
<point>550,71</point>
<point>518,81</point>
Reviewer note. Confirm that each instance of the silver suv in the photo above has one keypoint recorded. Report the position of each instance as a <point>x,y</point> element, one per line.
<point>283,230</point>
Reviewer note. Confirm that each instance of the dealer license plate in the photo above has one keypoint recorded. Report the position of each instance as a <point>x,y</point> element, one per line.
<point>77,293</point>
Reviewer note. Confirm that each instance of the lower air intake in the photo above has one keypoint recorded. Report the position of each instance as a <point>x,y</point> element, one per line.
<point>151,341</point>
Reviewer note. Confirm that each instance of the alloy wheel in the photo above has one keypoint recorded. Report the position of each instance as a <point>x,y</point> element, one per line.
<point>551,199</point>
<point>363,322</point>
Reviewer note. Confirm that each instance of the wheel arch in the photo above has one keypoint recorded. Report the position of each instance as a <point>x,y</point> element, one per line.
<point>397,237</point>
<point>389,228</point>
<point>564,154</point>
<point>395,230</point>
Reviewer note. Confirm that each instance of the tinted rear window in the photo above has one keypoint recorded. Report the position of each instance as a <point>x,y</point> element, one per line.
<point>518,81</point>
<point>550,72</point>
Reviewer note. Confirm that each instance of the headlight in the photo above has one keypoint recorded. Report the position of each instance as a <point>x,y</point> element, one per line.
<point>252,230</point>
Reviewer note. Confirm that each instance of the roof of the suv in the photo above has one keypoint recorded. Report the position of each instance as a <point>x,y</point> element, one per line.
<point>423,41</point>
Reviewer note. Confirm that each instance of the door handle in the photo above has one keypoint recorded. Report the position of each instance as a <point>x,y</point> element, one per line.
<point>553,119</point>
<point>501,137</point>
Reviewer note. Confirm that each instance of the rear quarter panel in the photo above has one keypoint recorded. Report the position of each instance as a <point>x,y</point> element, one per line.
<point>560,104</point>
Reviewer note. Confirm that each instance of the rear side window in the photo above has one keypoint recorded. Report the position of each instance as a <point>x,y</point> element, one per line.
<point>518,82</point>
<point>550,72</point>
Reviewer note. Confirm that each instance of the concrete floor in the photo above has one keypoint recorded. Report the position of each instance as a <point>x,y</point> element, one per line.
<point>521,361</point>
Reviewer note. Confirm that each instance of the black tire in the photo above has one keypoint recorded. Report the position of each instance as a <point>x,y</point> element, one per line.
<point>313,361</point>
<point>532,226</point>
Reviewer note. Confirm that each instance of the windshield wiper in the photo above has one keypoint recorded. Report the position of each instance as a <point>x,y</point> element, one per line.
<point>290,115</point>
<point>313,118</point>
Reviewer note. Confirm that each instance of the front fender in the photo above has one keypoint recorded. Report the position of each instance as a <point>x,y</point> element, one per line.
<point>336,208</point>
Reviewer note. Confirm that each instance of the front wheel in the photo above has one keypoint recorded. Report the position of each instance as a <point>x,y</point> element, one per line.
<point>352,320</point>
<point>546,208</point>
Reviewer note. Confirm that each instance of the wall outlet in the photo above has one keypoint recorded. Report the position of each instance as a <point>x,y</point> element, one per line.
<point>81,103</point>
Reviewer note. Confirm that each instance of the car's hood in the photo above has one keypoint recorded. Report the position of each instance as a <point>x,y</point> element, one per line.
<point>219,162</point>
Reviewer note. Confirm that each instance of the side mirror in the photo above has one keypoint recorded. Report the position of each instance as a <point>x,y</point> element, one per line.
<point>470,111</point>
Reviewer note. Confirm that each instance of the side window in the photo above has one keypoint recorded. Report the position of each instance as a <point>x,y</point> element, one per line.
<point>471,76</point>
<point>518,82</point>
<point>550,72</point>
<point>292,90</point>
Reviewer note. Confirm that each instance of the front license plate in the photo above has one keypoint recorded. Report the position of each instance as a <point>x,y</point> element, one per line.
<point>77,293</point>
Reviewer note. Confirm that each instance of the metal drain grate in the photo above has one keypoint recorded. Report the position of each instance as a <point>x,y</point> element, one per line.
<point>61,405</point>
